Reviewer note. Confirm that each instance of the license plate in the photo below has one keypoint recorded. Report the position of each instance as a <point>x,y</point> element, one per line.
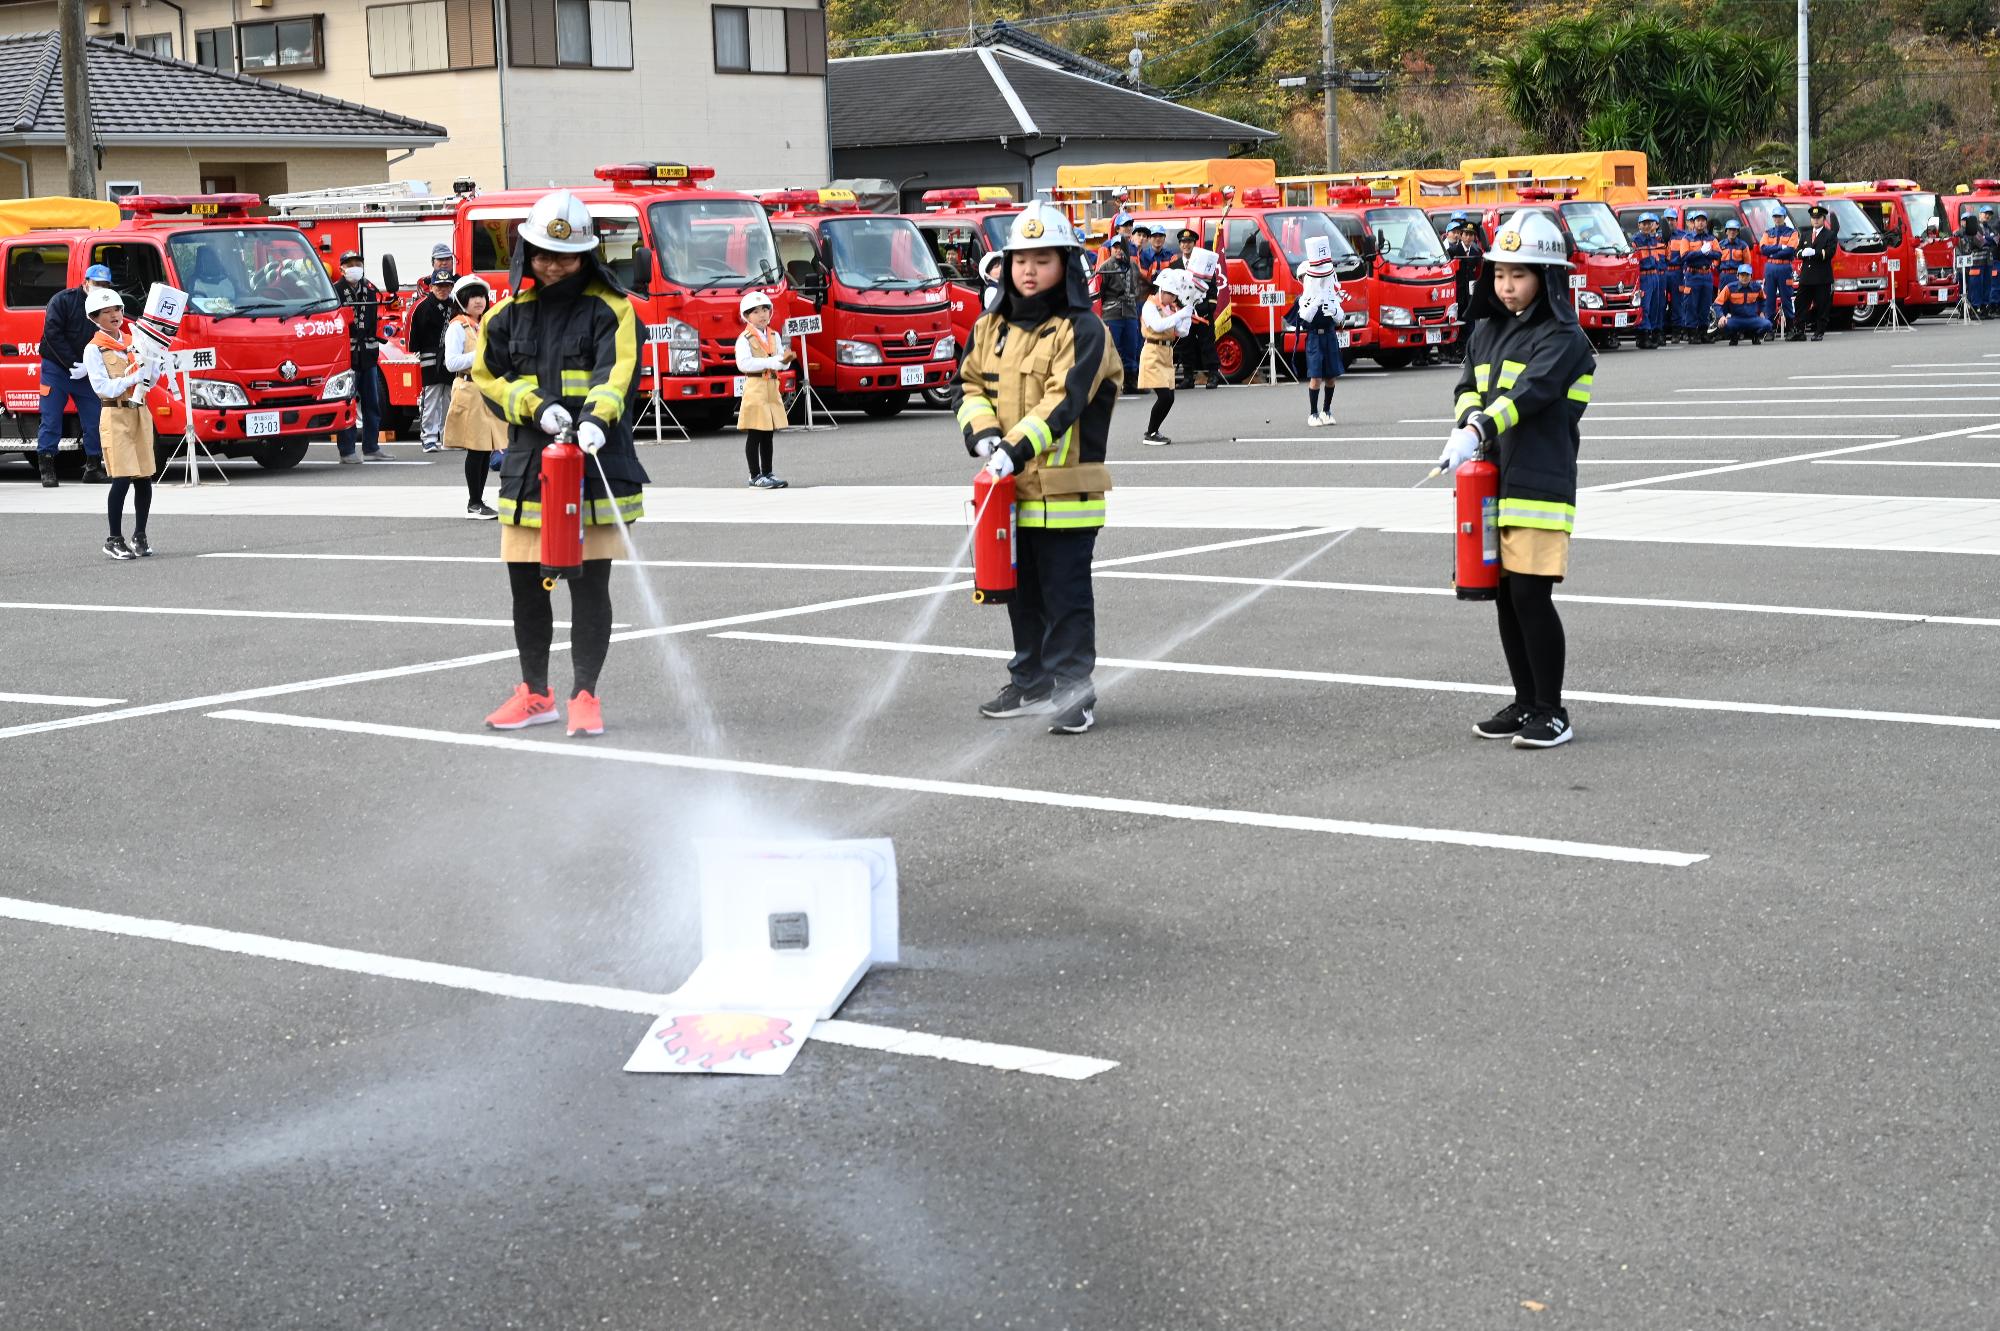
<point>913,376</point>
<point>1433,336</point>
<point>736,386</point>
<point>1346,339</point>
<point>1868,298</point>
<point>259,423</point>
<point>1620,320</point>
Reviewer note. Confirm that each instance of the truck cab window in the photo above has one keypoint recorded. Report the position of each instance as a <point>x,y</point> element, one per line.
<point>35,273</point>
<point>134,269</point>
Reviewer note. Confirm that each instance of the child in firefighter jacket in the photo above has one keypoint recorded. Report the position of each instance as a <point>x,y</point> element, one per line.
<point>1526,384</point>
<point>1036,389</point>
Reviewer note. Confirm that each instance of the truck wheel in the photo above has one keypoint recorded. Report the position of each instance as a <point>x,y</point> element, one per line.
<point>939,397</point>
<point>1868,318</point>
<point>1238,354</point>
<point>881,406</point>
<point>281,456</point>
<point>1393,358</point>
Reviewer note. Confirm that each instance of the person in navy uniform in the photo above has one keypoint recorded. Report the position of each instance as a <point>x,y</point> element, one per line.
<point>1815,304</point>
<point>1650,247</point>
<point>66,331</point>
<point>1780,247</point>
<point>362,301</point>
<point>1740,306</point>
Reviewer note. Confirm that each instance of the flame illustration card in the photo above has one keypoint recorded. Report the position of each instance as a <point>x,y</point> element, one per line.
<point>759,1044</point>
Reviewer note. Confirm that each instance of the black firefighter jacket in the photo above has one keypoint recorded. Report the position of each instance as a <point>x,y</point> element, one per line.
<point>1528,378</point>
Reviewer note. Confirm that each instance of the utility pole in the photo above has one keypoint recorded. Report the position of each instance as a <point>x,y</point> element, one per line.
<point>1805,93</point>
<point>1331,80</point>
<point>76,102</point>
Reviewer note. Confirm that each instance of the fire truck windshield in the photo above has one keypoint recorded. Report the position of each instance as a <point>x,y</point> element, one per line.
<point>880,254</point>
<point>1594,229</point>
<point>1293,230</point>
<point>1404,235</point>
<point>1923,209</point>
<point>1857,233</point>
<point>713,242</point>
<point>260,270</point>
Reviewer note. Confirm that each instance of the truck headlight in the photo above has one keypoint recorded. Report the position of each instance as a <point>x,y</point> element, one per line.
<point>338,386</point>
<point>216,394</point>
<point>1590,300</point>
<point>683,347</point>
<point>1354,319</point>
<point>1846,284</point>
<point>857,353</point>
<point>946,348</point>
<point>1395,316</point>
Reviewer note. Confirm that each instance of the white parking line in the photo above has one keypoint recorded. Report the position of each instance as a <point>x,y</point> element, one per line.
<point>1935,372</point>
<point>621,563</point>
<point>214,613</point>
<point>859,1035</point>
<point>59,700</point>
<point>1053,799</point>
<point>1775,418</point>
<point>1893,462</point>
<point>1816,390</point>
<point>1419,685</point>
<point>1796,457</point>
<point>1392,462</point>
<point>1707,436</point>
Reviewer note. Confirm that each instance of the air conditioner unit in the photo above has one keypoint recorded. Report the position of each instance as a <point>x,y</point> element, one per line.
<point>100,15</point>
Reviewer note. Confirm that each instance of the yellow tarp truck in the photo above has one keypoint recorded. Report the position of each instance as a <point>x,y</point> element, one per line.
<point>54,213</point>
<point>1614,177</point>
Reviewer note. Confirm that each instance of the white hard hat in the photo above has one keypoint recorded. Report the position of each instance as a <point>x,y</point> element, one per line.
<point>559,222</point>
<point>101,299</point>
<point>1175,282</point>
<point>468,286</point>
<point>989,264</point>
<point>1201,262</point>
<point>1528,238</point>
<point>753,300</point>
<point>1040,226</point>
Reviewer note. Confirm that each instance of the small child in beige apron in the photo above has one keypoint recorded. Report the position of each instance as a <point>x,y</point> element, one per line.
<point>468,423</point>
<point>761,356</point>
<point>122,380</point>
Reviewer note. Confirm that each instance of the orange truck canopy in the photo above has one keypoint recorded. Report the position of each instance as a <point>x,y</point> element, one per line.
<point>1614,177</point>
<point>1415,186</point>
<point>55,213</point>
<point>1149,180</point>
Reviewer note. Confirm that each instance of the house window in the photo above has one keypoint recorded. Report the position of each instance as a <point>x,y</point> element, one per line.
<point>155,43</point>
<point>750,40</point>
<point>292,43</point>
<point>569,34</point>
<point>430,35</point>
<point>215,48</point>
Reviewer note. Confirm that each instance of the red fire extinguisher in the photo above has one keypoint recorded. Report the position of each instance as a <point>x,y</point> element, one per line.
<point>1476,542</point>
<point>562,509</point>
<point>992,538</point>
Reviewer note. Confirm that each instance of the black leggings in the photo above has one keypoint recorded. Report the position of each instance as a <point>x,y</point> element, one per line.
<point>535,622</point>
<point>142,503</point>
<point>757,452</point>
<point>1163,402</point>
<point>1531,634</point>
<point>476,467</point>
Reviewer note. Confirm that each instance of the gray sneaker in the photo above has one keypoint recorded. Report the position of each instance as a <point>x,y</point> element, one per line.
<point>1015,701</point>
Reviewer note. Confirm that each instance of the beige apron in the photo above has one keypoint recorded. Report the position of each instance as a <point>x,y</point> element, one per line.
<point>468,423</point>
<point>1156,359</point>
<point>124,425</point>
<point>763,405</point>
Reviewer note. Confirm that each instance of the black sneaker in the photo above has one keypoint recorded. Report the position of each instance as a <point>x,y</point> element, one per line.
<point>776,483</point>
<point>480,513</point>
<point>93,472</point>
<point>1155,438</point>
<point>115,547</point>
<point>1509,721</point>
<point>1545,730</point>
<point>1014,701</point>
<point>141,546</point>
<point>1076,718</point>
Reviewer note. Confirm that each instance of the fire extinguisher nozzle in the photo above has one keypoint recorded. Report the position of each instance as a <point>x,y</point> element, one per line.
<point>548,584</point>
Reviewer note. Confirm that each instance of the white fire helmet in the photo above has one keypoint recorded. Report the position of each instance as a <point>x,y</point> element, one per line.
<point>101,299</point>
<point>753,300</point>
<point>560,223</point>
<point>1528,238</point>
<point>469,286</point>
<point>989,266</point>
<point>1040,226</point>
<point>1176,283</point>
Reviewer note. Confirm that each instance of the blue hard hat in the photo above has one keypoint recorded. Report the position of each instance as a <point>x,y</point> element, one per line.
<point>97,272</point>
<point>1123,219</point>
<point>1649,217</point>
<point>1697,216</point>
<point>1732,222</point>
<point>1458,217</point>
<point>1743,268</point>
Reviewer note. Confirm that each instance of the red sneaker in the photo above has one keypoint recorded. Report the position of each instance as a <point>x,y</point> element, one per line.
<point>586,714</point>
<point>526,708</point>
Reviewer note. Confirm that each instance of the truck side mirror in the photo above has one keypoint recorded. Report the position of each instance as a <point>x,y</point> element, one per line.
<point>389,275</point>
<point>642,271</point>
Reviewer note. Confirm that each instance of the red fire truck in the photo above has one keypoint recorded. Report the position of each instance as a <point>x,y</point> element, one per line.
<point>1263,246</point>
<point>257,298</point>
<point>1923,277</point>
<point>685,252</point>
<point>1985,193</point>
<point>962,226</point>
<point>1860,265</point>
<point>885,327</point>
<point>1604,282</point>
<point>1410,283</point>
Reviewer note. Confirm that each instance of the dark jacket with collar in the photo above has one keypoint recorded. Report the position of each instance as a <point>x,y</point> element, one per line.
<point>427,325</point>
<point>363,301</point>
<point>66,329</point>
<point>1526,383</point>
<point>1816,269</point>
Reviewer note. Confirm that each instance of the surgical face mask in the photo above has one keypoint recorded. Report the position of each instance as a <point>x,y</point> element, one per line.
<point>352,274</point>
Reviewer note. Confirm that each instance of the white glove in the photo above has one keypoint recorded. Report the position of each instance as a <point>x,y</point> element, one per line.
<point>77,371</point>
<point>590,435</point>
<point>999,465</point>
<point>984,447</point>
<point>555,418</point>
<point>1459,447</point>
<point>1808,252</point>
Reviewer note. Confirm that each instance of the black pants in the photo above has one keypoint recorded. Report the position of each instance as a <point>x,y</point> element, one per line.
<point>1198,350</point>
<point>142,503</point>
<point>535,622</point>
<point>1054,610</point>
<point>1163,402</point>
<point>1814,307</point>
<point>757,452</point>
<point>476,467</point>
<point>1531,634</point>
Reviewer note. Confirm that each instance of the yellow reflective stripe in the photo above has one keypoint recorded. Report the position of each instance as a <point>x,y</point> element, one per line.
<point>1060,514</point>
<point>1069,437</point>
<point>575,382</point>
<point>624,356</point>
<point>523,401</point>
<point>1510,370</point>
<point>1539,513</point>
<point>1467,401</point>
<point>1482,375</point>
<point>1580,390</point>
<point>520,514</point>
<point>608,512</point>
<point>1504,414</point>
<point>972,408</point>
<point>1036,431</point>
<point>605,402</point>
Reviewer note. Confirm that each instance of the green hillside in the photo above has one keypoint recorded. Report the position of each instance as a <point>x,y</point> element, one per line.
<point>1905,87</point>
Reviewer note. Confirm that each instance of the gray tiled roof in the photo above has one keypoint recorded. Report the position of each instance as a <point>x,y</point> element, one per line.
<point>135,94</point>
<point>952,97</point>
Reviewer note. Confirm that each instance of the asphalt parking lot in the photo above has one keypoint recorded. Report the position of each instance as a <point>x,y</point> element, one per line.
<point>1339,1017</point>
